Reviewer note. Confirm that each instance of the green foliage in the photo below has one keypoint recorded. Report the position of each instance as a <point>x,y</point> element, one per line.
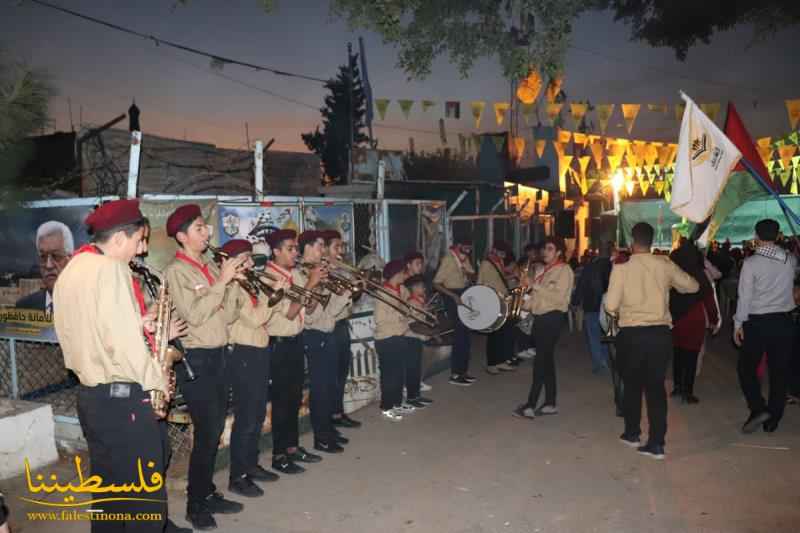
<point>331,144</point>
<point>523,34</point>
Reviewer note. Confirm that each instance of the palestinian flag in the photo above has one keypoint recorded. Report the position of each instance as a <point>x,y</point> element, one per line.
<point>741,186</point>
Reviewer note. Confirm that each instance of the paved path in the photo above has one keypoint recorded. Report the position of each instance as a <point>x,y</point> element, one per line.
<point>466,466</point>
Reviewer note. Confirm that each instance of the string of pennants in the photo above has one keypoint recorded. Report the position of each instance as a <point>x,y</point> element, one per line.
<point>577,110</point>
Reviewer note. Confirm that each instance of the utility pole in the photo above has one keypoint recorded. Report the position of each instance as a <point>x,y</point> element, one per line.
<point>350,112</point>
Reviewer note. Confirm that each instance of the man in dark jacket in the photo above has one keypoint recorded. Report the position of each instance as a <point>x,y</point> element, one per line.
<point>592,284</point>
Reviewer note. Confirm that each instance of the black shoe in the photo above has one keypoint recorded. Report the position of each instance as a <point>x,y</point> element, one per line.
<point>244,486</point>
<point>459,381</point>
<point>200,517</point>
<point>416,404</point>
<point>285,465</point>
<point>514,361</point>
<point>770,425</point>
<point>340,439</point>
<point>471,379</point>
<point>349,422</point>
<point>302,456</point>
<point>259,473</point>
<point>423,399</point>
<point>172,527</point>
<point>216,504</point>
<point>327,447</point>
<point>631,440</point>
<point>656,451</point>
<point>755,421</point>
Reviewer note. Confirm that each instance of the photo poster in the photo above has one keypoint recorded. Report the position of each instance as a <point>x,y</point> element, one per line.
<point>255,222</point>
<point>338,216</point>
<point>162,247</point>
<point>28,272</point>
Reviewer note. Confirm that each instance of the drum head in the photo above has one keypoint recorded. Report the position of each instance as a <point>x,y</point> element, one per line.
<point>487,308</point>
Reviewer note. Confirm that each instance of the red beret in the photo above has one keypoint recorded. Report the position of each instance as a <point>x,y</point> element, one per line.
<point>182,215</point>
<point>113,214</point>
<point>331,234</point>
<point>235,247</point>
<point>466,240</point>
<point>274,238</point>
<point>411,256</point>
<point>503,246</point>
<point>392,268</point>
<point>309,236</point>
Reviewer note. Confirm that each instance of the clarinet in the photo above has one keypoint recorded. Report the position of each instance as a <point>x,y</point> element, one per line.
<point>153,284</point>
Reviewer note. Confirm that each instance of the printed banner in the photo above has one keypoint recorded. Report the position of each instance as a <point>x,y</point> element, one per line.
<point>338,216</point>
<point>255,222</point>
<point>162,247</point>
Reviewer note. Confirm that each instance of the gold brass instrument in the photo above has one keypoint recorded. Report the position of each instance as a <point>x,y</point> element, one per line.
<point>164,354</point>
<point>377,291</point>
<point>252,284</point>
<point>298,294</point>
<point>335,283</point>
<point>517,295</point>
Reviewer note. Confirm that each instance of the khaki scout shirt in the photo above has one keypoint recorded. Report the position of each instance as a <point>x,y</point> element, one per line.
<point>488,275</point>
<point>250,324</point>
<point>388,321</point>
<point>206,308</point>
<point>279,325</point>
<point>419,304</point>
<point>99,325</point>
<point>551,290</point>
<point>638,290</point>
<point>324,320</point>
<point>452,273</point>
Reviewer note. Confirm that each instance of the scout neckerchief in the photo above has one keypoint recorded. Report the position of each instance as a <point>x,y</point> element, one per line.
<point>460,263</point>
<point>393,288</point>
<point>180,256</point>
<point>287,275</point>
<point>493,260</point>
<point>540,277</point>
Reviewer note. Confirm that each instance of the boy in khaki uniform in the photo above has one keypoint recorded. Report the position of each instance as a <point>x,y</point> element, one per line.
<point>500,343</point>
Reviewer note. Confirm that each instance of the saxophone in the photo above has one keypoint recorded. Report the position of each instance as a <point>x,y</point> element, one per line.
<point>164,354</point>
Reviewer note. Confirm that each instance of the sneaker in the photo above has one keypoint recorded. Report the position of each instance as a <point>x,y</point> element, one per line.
<point>547,410</point>
<point>506,367</point>
<point>459,381</point>
<point>416,404</point>
<point>424,400</point>
<point>390,414</point>
<point>632,440</point>
<point>216,504</point>
<point>285,465</point>
<point>405,408</point>
<point>656,451</point>
<point>327,446</point>
<point>259,473</point>
<point>755,421</point>
<point>424,387</point>
<point>514,361</point>
<point>524,411</point>
<point>469,378</point>
<point>527,354</point>
<point>201,519</point>
<point>492,370</point>
<point>301,455</point>
<point>244,486</point>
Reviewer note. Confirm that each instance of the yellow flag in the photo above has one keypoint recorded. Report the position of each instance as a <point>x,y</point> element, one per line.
<point>659,185</point>
<point>427,104</point>
<point>643,184</point>
<point>591,139</point>
<point>711,110</point>
<point>597,154</point>
<point>564,136</point>
<point>784,175</point>
<point>477,111</point>
<point>580,139</point>
<point>578,111</point>
<point>540,145</point>
<point>519,147</point>
<point>629,113</point>
<point>405,106</point>
<point>527,112</point>
<point>673,152</point>
<point>793,109</point>
<point>786,153</point>
<point>796,161</point>
<point>629,187</point>
<point>613,162</point>
<point>640,149</point>
<point>559,148</point>
<point>500,110</point>
<point>658,108</point>
<point>604,112</point>
<point>632,160</point>
<point>583,164</point>
<point>651,154</point>
<point>382,104</point>
<point>793,189</point>
<point>552,112</point>
<point>679,108</point>
<point>765,152</point>
<point>563,165</point>
<point>553,88</point>
<point>617,149</point>
<point>764,141</point>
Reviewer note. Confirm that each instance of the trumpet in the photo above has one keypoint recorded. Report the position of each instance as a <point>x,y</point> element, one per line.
<point>517,295</point>
<point>335,283</point>
<point>298,294</point>
<point>377,291</point>
<point>252,284</point>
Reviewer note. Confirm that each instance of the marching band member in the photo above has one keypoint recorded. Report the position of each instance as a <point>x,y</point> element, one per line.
<point>99,327</point>
<point>500,343</point>
<point>391,343</point>
<point>287,365</point>
<point>415,266</point>
<point>341,340</point>
<point>320,348</point>
<point>248,374</point>
<point>548,303</point>
<point>415,288</point>
<point>454,274</point>
<point>204,298</point>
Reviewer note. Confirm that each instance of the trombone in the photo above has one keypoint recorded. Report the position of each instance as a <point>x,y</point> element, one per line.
<point>252,284</point>
<point>335,283</point>
<point>298,294</point>
<point>377,291</point>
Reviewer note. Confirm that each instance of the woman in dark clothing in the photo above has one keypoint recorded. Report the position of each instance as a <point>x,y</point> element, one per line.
<point>690,315</point>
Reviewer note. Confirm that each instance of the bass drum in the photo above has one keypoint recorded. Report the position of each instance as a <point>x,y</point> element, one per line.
<point>484,309</point>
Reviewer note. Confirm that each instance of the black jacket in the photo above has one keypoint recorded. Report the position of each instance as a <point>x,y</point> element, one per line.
<point>592,284</point>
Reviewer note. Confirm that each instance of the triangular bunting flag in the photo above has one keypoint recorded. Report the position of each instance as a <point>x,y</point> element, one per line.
<point>553,88</point>
<point>381,105</point>
<point>711,110</point>
<point>793,189</point>
<point>597,154</point>
<point>559,148</point>
<point>405,106</point>
<point>604,112</point>
<point>764,141</point>
<point>540,146</point>
<point>477,111</point>
<point>519,147</point>
<point>795,137</point>
<point>563,164</point>
<point>578,111</point>
<point>658,108</point>
<point>629,113</point>
<point>651,154</point>
<point>583,164</point>
<point>552,112</point>
<point>527,112</point>
<point>793,109</point>
<point>796,161</point>
<point>613,162</point>
<point>427,104</point>
<point>632,160</point>
<point>679,108</point>
<point>500,110</point>
<point>659,185</point>
<point>784,176</point>
<point>644,185</point>
<point>765,152</point>
<point>452,109</point>
<point>499,141</point>
<point>786,153</point>
<point>629,187</point>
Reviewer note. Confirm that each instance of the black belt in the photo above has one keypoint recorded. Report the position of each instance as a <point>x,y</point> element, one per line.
<point>279,340</point>
<point>769,315</point>
<point>117,389</point>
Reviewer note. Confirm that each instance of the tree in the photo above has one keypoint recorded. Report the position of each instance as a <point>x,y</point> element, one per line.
<point>680,24</point>
<point>523,34</point>
<point>345,107</point>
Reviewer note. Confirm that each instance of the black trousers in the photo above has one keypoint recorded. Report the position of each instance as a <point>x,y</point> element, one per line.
<point>645,354</point>
<point>320,350</point>
<point>459,358</point>
<point>287,368</point>
<point>413,367</point>
<point>121,433</point>
<point>390,357</point>
<point>500,344</point>
<point>546,330</point>
<point>344,358</point>
<point>771,333</point>
<point>248,374</point>
<point>207,400</point>
<point>684,369</point>
<point>793,387</point>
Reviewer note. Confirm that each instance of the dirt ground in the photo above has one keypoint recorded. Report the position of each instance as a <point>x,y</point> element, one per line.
<point>465,465</point>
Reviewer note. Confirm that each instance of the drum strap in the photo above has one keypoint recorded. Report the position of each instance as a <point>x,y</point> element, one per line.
<point>502,277</point>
